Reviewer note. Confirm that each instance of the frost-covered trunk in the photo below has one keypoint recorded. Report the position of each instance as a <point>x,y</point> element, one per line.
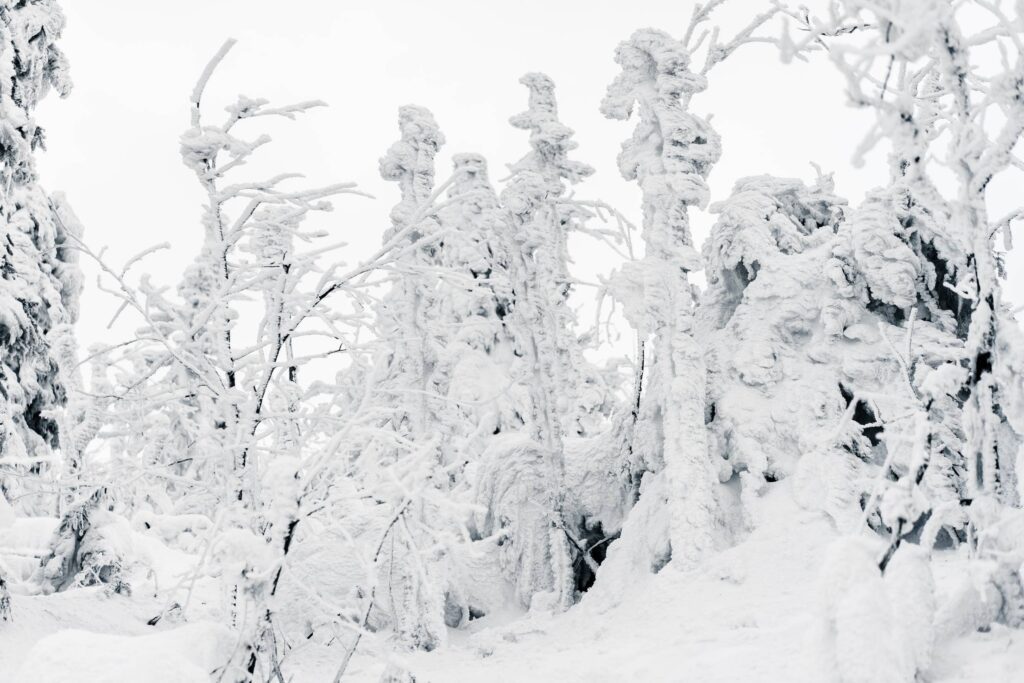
<point>990,456</point>
<point>536,330</point>
<point>544,542</point>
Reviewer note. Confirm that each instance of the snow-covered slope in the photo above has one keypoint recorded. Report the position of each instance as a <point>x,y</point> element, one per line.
<point>751,613</point>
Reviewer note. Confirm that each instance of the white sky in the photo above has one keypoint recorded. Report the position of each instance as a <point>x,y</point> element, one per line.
<point>114,142</point>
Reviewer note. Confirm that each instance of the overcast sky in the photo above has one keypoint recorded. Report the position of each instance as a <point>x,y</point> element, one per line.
<point>113,144</point>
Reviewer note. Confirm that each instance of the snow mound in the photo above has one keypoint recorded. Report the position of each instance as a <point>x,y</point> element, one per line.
<point>188,654</point>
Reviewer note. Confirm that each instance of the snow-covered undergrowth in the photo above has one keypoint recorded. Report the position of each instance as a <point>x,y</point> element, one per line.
<point>754,612</point>
<point>412,468</point>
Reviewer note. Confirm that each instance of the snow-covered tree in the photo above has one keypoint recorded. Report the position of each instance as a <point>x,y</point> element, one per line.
<point>40,276</point>
<point>770,395</point>
<point>206,393</point>
<point>523,479</point>
<point>475,368</point>
<point>921,256</point>
<point>41,280</point>
<point>670,156</point>
<point>545,282</point>
<point>85,549</point>
<point>403,384</point>
<point>210,408</point>
<point>932,244</point>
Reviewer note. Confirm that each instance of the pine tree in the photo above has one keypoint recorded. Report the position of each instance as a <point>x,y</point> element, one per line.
<point>475,371</point>
<point>522,483</point>
<point>404,310</point>
<point>537,249</point>
<point>41,280</point>
<point>670,155</point>
<point>403,383</point>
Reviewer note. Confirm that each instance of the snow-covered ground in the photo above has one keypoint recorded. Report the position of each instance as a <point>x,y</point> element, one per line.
<point>749,614</point>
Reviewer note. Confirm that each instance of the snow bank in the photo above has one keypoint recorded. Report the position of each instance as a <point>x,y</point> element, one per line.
<point>188,654</point>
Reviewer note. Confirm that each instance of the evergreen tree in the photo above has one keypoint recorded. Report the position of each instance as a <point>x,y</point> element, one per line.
<point>40,276</point>
<point>545,280</point>
<point>40,273</point>
<point>476,369</point>
<point>403,381</point>
<point>523,481</point>
<point>405,309</point>
<point>670,155</point>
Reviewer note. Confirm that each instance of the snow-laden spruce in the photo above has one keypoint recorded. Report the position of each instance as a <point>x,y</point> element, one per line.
<point>41,280</point>
<point>670,155</point>
<point>921,255</point>
<point>40,273</point>
<point>523,477</point>
<point>407,315</point>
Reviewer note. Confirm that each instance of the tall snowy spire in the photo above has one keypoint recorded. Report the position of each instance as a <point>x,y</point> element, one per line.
<point>542,219</point>
<point>672,150</point>
<point>411,342</point>
<point>550,139</point>
<point>670,155</point>
<point>410,161</point>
